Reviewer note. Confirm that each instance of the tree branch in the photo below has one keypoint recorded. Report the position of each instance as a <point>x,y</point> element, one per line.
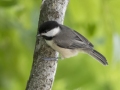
<point>43,72</point>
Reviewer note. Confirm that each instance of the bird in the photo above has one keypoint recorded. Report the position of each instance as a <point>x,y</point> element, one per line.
<point>67,41</point>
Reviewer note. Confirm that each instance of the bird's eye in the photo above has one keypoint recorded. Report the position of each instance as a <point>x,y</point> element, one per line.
<point>45,31</point>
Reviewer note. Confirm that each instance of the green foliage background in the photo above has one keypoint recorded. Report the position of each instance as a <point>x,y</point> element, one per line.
<point>97,20</point>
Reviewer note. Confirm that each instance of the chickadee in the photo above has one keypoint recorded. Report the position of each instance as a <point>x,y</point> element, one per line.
<point>67,41</point>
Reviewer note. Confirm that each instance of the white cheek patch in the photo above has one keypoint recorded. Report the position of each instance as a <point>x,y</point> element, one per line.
<point>52,32</point>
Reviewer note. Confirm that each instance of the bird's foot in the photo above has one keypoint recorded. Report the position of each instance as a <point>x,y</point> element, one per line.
<point>51,58</point>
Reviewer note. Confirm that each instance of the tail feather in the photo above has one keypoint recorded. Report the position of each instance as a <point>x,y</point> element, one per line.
<point>98,56</point>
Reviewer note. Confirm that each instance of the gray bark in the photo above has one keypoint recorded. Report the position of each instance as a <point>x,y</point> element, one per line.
<point>43,72</point>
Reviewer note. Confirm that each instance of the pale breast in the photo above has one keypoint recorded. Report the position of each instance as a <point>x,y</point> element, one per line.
<point>65,53</point>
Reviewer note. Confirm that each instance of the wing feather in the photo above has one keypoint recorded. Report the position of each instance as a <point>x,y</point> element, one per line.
<point>82,38</point>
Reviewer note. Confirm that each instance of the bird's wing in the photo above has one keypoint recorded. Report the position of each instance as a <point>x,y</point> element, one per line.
<point>72,40</point>
<point>70,44</point>
<point>82,38</point>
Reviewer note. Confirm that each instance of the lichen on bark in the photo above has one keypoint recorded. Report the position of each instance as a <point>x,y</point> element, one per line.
<point>43,72</point>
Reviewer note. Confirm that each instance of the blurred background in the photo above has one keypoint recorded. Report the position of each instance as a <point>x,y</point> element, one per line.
<point>97,20</point>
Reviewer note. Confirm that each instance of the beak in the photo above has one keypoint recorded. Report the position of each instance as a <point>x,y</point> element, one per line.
<point>38,35</point>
